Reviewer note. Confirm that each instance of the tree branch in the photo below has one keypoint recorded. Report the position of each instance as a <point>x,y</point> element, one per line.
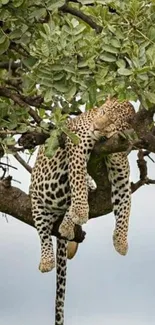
<point>145,139</point>
<point>78,13</point>
<point>23,162</point>
<point>16,203</point>
<point>7,65</point>
<point>6,92</point>
<point>35,101</point>
<point>142,166</point>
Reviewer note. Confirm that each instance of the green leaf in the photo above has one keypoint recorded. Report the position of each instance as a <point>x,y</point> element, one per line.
<point>110,49</point>
<point>101,74</point>
<point>92,95</point>
<point>121,63</point>
<point>79,29</point>
<point>48,95</point>
<point>124,72</point>
<point>38,13</point>
<point>56,67</point>
<point>71,92</point>
<point>74,22</point>
<point>47,29</point>
<point>44,126</point>
<point>151,52</point>
<point>115,42</point>
<point>82,64</point>
<point>9,141</point>
<point>57,117</point>
<point>74,138</point>
<point>17,33</point>
<point>45,49</point>
<point>60,87</point>
<point>56,4</point>
<point>150,96</point>
<point>4,46</point>
<point>151,33</point>
<point>52,144</point>
<point>18,3</point>
<point>29,62</point>
<point>2,38</point>
<point>107,57</point>
<point>58,76</point>
<point>69,68</point>
<point>22,128</point>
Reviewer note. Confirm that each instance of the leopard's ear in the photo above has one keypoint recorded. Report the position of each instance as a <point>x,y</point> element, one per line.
<point>72,249</point>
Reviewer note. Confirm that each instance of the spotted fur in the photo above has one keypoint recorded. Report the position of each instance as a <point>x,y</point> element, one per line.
<point>60,185</point>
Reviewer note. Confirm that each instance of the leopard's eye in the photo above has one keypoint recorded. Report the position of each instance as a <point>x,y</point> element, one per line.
<point>96,129</point>
<point>103,139</point>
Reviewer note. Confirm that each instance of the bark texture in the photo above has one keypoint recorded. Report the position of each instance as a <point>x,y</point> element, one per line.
<point>15,202</point>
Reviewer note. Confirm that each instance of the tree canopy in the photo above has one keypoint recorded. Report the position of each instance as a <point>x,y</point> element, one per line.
<point>58,55</point>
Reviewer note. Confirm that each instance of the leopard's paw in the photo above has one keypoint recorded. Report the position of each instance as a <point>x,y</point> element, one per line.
<point>46,265</point>
<point>120,243</point>
<point>67,230</point>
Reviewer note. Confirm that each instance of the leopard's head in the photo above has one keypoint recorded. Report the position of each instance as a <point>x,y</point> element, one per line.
<point>102,127</point>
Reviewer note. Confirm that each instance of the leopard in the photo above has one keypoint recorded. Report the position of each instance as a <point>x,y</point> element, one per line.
<point>60,186</point>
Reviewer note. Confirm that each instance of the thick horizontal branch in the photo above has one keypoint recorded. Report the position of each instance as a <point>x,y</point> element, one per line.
<point>141,124</point>
<point>117,143</point>
<point>16,203</point>
<point>140,137</point>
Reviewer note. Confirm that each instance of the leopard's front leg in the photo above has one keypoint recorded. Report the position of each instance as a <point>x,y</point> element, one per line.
<point>75,215</point>
<point>78,211</point>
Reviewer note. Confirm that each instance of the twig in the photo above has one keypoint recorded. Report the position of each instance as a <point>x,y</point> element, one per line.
<point>23,162</point>
<point>78,13</point>
<point>4,172</point>
<point>10,132</point>
<point>6,92</point>
<point>1,163</point>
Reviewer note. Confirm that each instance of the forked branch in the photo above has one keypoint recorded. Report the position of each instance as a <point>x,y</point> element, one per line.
<point>142,165</point>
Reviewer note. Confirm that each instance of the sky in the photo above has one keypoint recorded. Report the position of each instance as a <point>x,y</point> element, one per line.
<point>102,286</point>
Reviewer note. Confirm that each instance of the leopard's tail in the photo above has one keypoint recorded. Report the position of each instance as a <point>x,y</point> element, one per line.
<point>61,269</point>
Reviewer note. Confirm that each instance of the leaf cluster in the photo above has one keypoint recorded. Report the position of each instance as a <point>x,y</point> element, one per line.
<point>61,58</point>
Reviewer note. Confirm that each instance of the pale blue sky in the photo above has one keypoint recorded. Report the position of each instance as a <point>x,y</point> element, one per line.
<point>102,286</point>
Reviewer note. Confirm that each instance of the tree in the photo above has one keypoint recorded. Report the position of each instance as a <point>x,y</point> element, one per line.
<point>58,55</point>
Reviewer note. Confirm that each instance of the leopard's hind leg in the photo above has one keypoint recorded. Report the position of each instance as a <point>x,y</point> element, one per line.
<point>42,220</point>
<point>119,172</point>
